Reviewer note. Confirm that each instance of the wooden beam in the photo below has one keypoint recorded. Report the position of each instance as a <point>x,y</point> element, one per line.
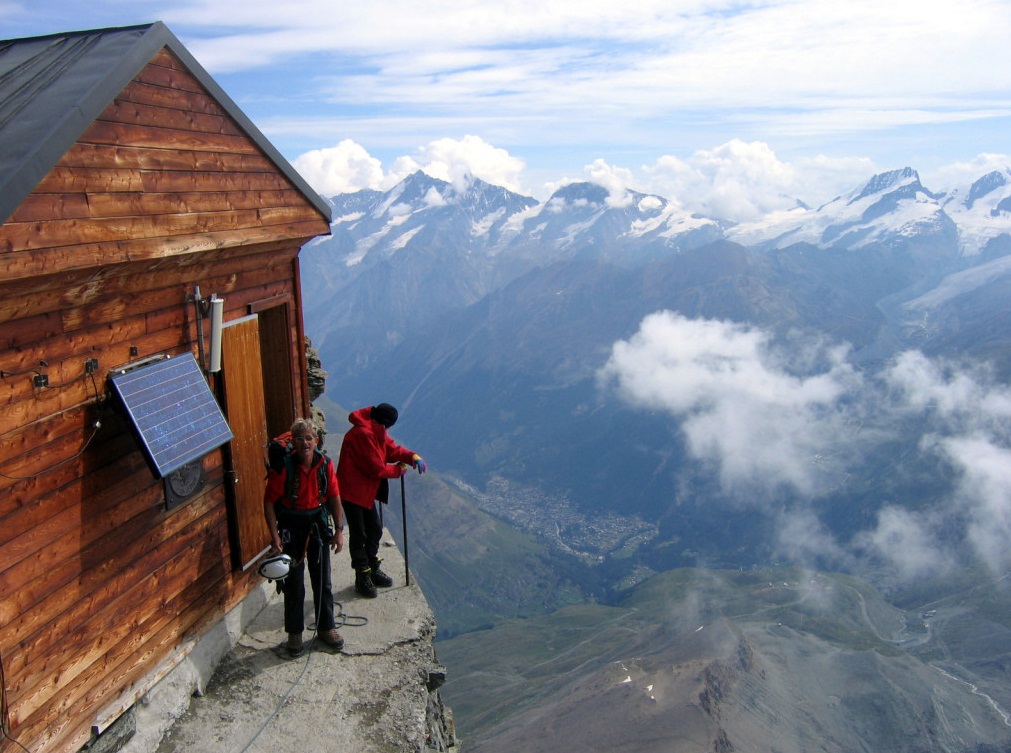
<point>211,272</point>
<point>16,265</point>
<point>105,132</point>
<point>62,180</point>
<point>121,110</point>
<point>41,207</point>
<point>125,156</point>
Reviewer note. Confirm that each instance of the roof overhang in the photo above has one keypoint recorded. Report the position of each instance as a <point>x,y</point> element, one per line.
<point>52,89</point>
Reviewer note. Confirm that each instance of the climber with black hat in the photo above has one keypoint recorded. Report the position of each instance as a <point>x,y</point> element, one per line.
<point>368,455</point>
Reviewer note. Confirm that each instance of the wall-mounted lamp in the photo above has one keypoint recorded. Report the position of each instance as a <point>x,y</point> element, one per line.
<point>213,307</point>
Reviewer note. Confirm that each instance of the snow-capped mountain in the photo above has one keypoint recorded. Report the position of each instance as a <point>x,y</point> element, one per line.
<point>403,258</point>
<point>482,220</point>
<point>388,222</point>
<point>890,208</point>
<point>584,219</point>
<point>981,211</point>
<point>426,247</point>
<point>479,219</point>
<point>893,208</point>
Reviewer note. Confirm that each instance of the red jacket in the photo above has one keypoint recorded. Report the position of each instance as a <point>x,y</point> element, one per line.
<point>368,454</point>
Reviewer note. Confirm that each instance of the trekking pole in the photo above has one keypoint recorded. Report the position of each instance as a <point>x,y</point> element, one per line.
<point>403,514</point>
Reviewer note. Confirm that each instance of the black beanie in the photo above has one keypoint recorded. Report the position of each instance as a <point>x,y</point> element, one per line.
<point>384,413</point>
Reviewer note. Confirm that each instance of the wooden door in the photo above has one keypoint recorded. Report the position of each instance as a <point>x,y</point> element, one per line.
<point>243,387</point>
<point>275,350</point>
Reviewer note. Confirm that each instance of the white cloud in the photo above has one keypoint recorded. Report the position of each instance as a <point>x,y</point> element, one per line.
<point>908,543</point>
<point>596,78</point>
<point>970,429</point>
<point>803,538</point>
<point>344,168</point>
<point>349,167</point>
<point>961,173</point>
<point>458,160</point>
<point>700,53</point>
<point>744,181</point>
<point>402,167</point>
<point>615,179</point>
<point>963,396</point>
<point>779,425</point>
<point>985,492</point>
<point>739,406</point>
<point>804,77</point>
<point>737,181</point>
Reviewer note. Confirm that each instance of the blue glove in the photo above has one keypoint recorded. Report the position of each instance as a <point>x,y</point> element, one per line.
<point>419,463</point>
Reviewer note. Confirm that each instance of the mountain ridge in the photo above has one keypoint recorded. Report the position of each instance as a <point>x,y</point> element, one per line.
<point>440,247</point>
<point>692,660</point>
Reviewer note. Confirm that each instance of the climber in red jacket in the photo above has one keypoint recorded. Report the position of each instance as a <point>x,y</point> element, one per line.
<point>368,455</point>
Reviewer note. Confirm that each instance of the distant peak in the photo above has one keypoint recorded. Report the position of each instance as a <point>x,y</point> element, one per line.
<point>420,177</point>
<point>884,181</point>
<point>983,186</point>
<point>588,192</point>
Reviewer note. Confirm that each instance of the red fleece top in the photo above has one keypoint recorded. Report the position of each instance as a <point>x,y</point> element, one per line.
<point>308,486</point>
<point>368,454</point>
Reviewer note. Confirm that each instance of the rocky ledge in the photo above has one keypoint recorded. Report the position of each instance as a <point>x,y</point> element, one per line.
<point>379,694</point>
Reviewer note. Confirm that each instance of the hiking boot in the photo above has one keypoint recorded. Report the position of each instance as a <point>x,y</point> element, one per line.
<point>379,578</point>
<point>364,584</point>
<point>332,638</point>
<point>294,644</point>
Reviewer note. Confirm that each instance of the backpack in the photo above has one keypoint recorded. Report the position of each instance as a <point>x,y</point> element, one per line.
<point>279,458</point>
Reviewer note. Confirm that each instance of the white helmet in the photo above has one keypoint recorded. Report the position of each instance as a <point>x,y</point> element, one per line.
<point>275,567</point>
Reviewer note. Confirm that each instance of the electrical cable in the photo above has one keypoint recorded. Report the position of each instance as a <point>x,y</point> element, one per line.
<point>4,373</point>
<point>89,374</point>
<point>52,386</point>
<point>6,736</point>
<point>5,716</point>
<point>95,427</point>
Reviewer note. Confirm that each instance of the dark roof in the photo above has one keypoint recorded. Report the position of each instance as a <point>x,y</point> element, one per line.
<point>53,87</point>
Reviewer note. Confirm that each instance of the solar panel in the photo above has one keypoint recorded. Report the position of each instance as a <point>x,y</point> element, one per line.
<point>173,410</point>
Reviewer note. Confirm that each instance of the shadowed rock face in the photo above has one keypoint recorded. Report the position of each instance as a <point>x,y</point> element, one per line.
<point>316,373</point>
<point>316,380</point>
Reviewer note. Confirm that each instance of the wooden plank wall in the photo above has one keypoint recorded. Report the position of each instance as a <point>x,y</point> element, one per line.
<point>98,582</point>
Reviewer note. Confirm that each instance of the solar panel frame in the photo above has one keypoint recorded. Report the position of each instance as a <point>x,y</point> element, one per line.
<point>173,410</point>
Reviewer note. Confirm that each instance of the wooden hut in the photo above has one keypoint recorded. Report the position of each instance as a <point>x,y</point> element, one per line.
<point>132,191</point>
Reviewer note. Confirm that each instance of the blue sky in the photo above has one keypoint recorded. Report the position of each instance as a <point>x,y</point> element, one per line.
<point>729,106</point>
